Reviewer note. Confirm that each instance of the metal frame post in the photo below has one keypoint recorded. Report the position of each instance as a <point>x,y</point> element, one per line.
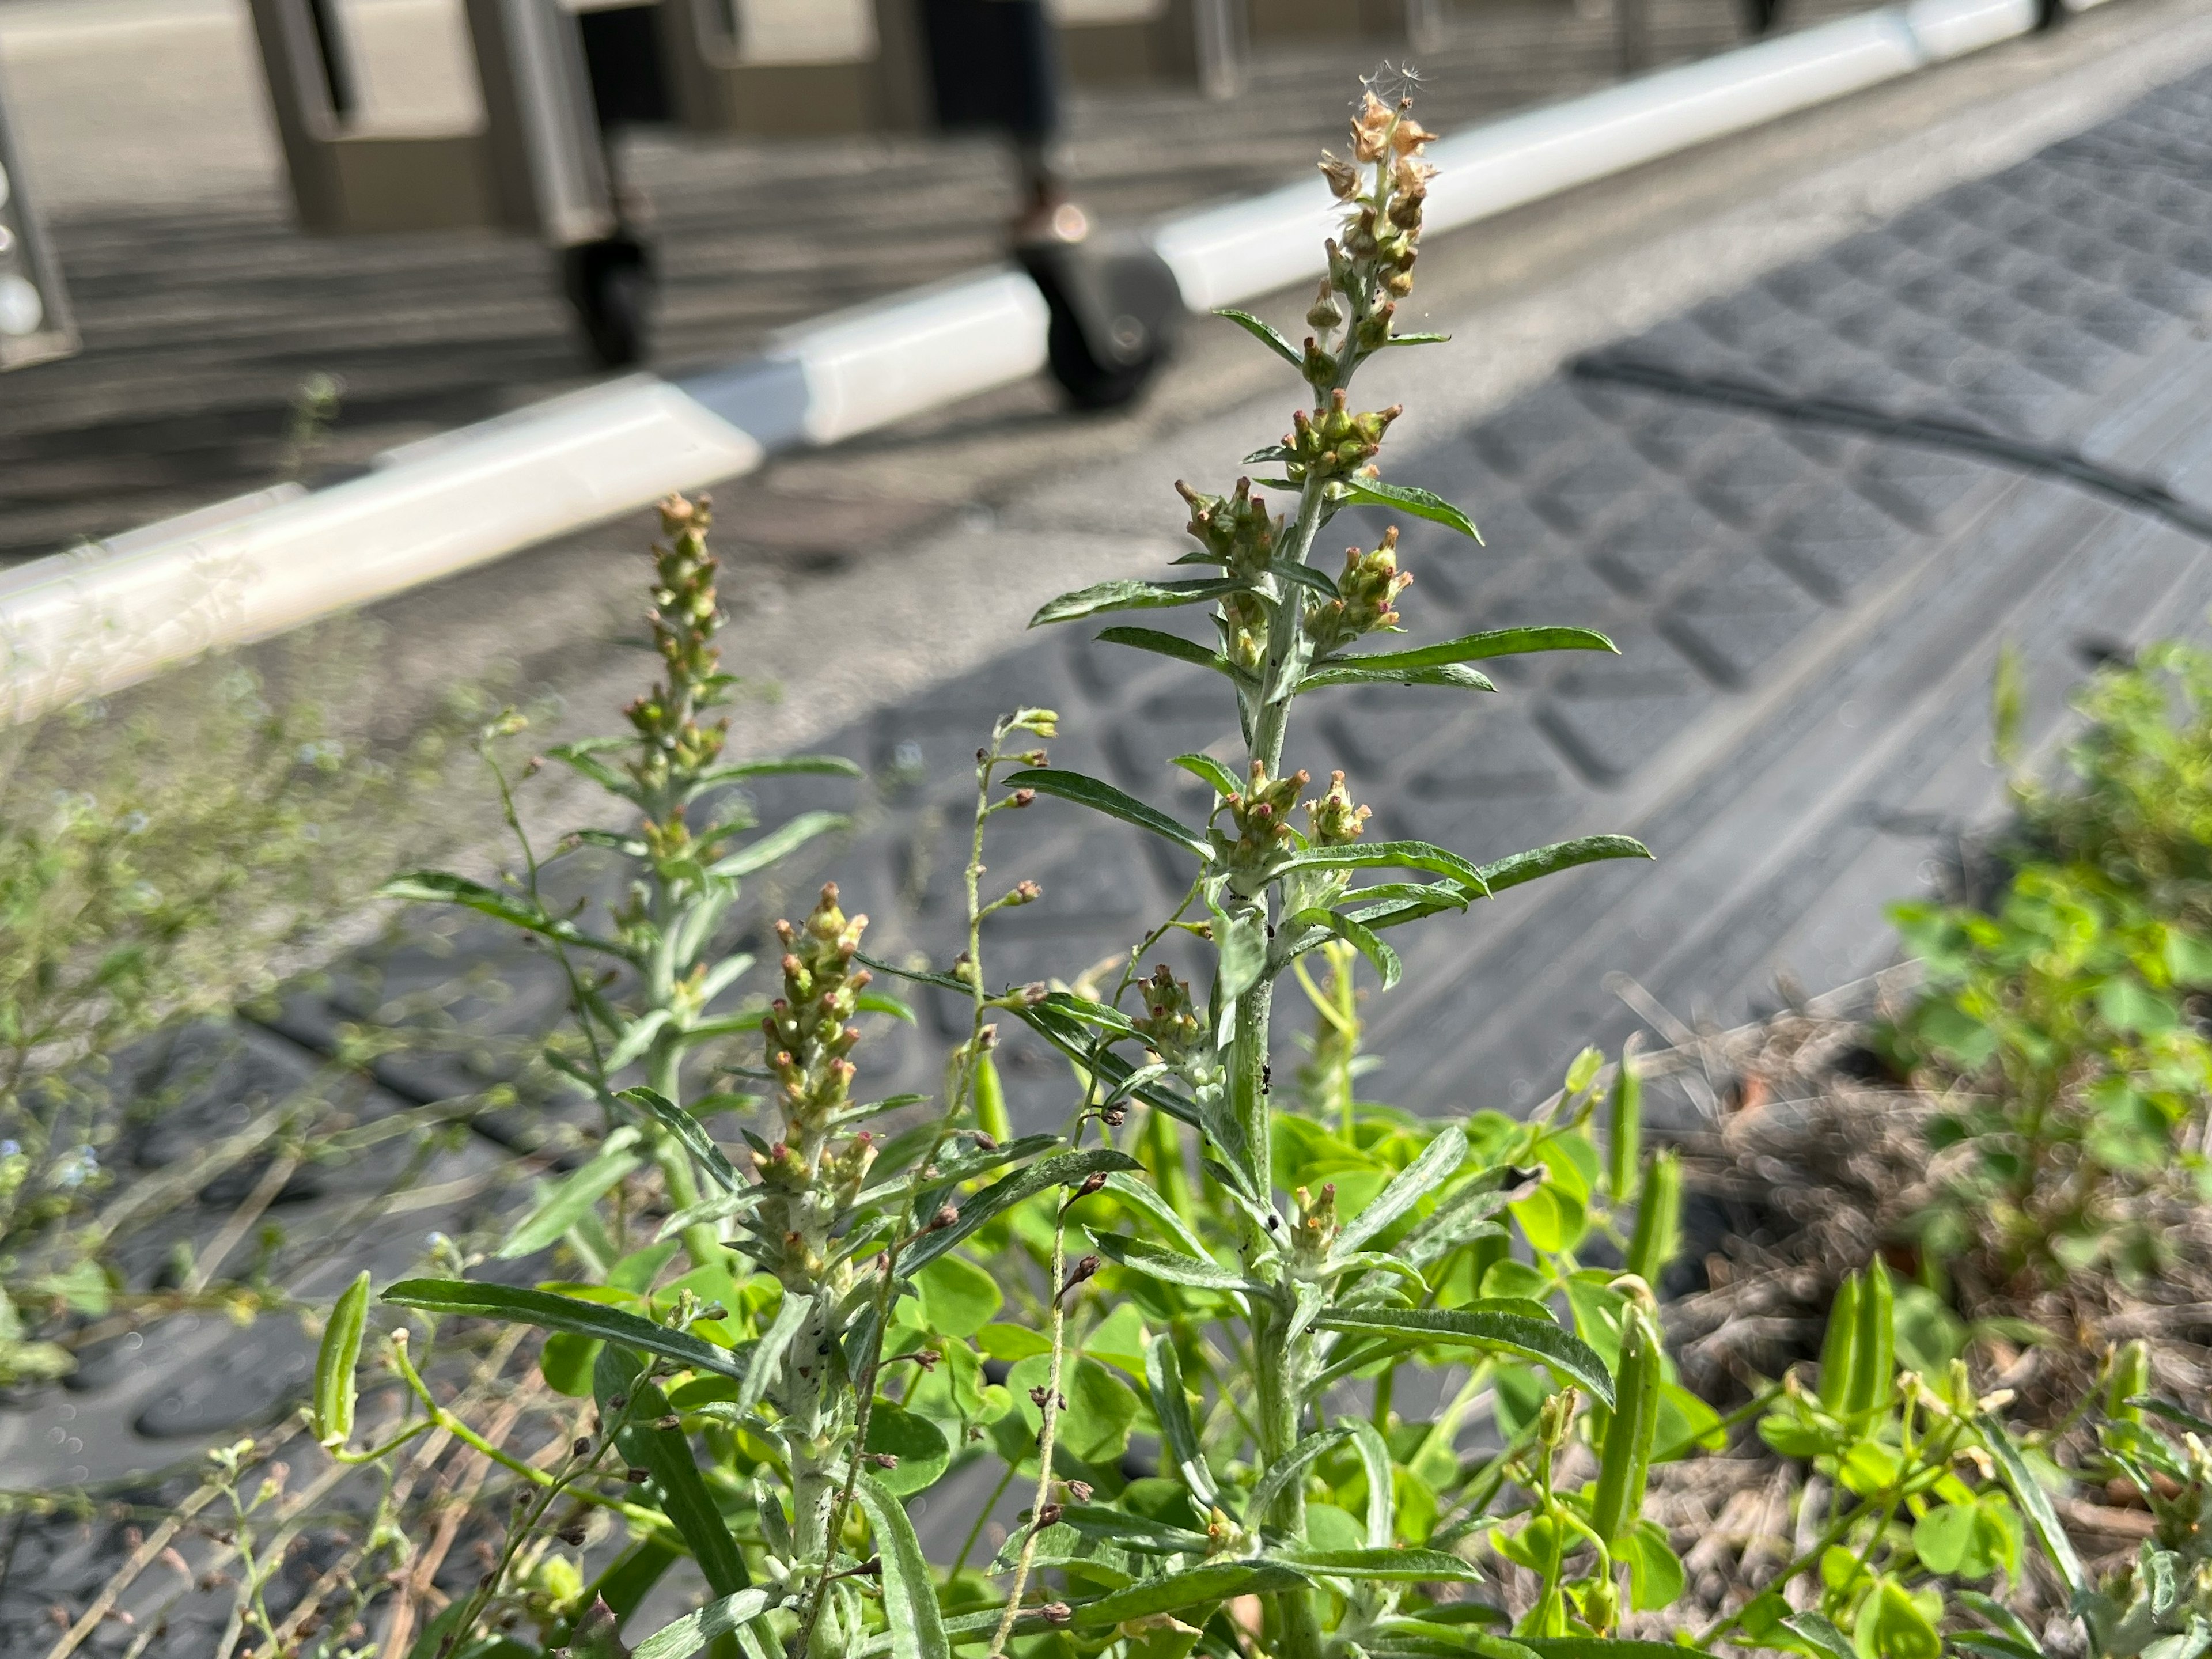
<point>34,312</point>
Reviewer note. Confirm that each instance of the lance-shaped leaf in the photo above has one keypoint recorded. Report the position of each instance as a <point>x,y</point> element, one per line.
<point>1131,1191</point>
<point>336,1360</point>
<point>1421,503</point>
<point>1478,647</point>
<point>1204,766</point>
<point>1560,855</point>
<point>833,766</point>
<point>694,1632</point>
<point>1158,1261</point>
<point>1016,1189</point>
<point>1405,1566</point>
<point>1396,903</point>
<point>1468,1209</point>
<point>1381,1484</point>
<point>917,1628</point>
<point>785,839</point>
<point>952,1172</point>
<point>767,1357</point>
<point>1389,855</point>
<point>1217,1581</point>
<point>1130,595</point>
<point>665,1454</point>
<point>1285,1471</point>
<point>1447,674</point>
<point>1356,934</point>
<point>1133,1532</point>
<point>1265,334</point>
<point>1486,1327</point>
<point>563,1206</point>
<point>1304,575</point>
<point>1171,1406</point>
<point>1087,790</point>
<point>1596,1647</point>
<point>551,1312</point>
<point>692,1133</point>
<point>2035,1502</point>
<point>1417,339</point>
<point>1815,1631</point>
<point>1172,645</point>
<point>1439,1162</point>
<point>438,887</point>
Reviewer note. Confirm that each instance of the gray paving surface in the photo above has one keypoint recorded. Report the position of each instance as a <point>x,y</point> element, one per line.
<point>1807,610</point>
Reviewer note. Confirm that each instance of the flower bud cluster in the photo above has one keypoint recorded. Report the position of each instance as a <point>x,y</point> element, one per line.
<point>1367,593</point>
<point>1241,534</point>
<point>684,615</point>
<point>1170,1026</point>
<point>1332,818</point>
<point>1317,1227</point>
<point>812,1175</point>
<point>1371,264</point>
<point>1260,814</point>
<point>1333,442</point>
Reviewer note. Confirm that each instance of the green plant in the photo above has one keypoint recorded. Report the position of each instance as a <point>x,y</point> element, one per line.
<point>1254,1290</point>
<point>163,859</point>
<point>2064,1022</point>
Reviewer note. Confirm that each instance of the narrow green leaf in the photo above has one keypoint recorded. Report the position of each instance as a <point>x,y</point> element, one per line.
<point>1171,1406</point>
<point>1814,1629</point>
<point>1391,854</point>
<point>1560,855</point>
<point>1380,957</point>
<point>1304,575</point>
<point>1217,1581</point>
<point>1284,1472</point>
<point>1130,595</point>
<point>336,1360</point>
<point>1373,492</point>
<point>1171,645</point>
<point>1087,790</point>
<point>917,1628</point>
<point>1475,647</point>
<point>1266,334</point>
<point>1204,766</point>
<point>1477,1326</point>
<point>1158,1261</point>
<point>1133,1532</point>
<point>767,1357</point>
<point>1597,1647</point>
<point>1417,339</point>
<point>2035,1502</point>
<point>1381,1484</point>
<point>1440,1160</point>
<point>877,1002</point>
<point>1018,1188</point>
<point>779,843</point>
<point>665,1454</point>
<point>565,1205</point>
<point>1446,674</point>
<point>438,887</point>
<point>1403,1566</point>
<point>1131,1190</point>
<point>784,766</point>
<point>696,1631</point>
<point>1062,1030</point>
<point>693,1133</point>
<point>553,1312</point>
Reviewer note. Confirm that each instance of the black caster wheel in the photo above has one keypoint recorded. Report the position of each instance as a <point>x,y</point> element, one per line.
<point>1113,315</point>
<point>610,285</point>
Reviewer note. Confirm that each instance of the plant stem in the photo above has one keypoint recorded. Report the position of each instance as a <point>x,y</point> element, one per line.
<point>1048,1414</point>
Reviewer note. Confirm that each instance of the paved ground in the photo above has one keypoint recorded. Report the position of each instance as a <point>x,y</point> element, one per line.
<point>1810,424</point>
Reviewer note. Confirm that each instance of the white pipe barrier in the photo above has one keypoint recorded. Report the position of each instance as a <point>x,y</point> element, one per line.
<point>93,622</point>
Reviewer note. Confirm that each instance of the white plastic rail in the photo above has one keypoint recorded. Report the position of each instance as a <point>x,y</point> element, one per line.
<point>91,623</point>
